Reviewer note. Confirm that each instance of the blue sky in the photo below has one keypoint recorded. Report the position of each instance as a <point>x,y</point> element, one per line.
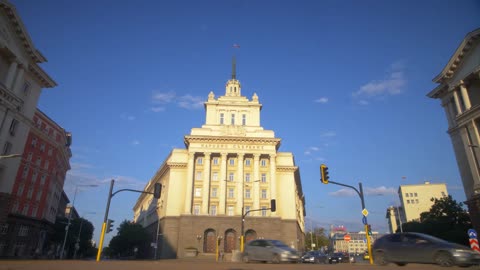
<point>341,82</point>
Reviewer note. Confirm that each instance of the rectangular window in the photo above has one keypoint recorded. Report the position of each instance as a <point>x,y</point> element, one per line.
<point>34,211</point>
<point>263,162</point>
<point>34,141</point>
<point>213,210</point>
<point>7,148</point>
<point>39,195</point>
<point>46,164</point>
<point>231,161</point>
<point>264,211</point>
<point>198,192</point>
<point>411,194</point>
<point>15,207</point>
<point>39,161</point>
<point>42,179</point>
<point>25,210</point>
<point>247,162</point>
<point>214,192</point>
<point>264,177</point>
<point>215,161</point>
<point>23,230</point>
<point>26,88</point>
<point>247,209</point>
<point>247,177</point>
<point>230,210</point>
<point>50,151</point>
<point>244,119</point>
<point>30,192</point>
<point>198,176</point>
<point>415,194</point>
<point>13,127</point>
<point>247,193</point>
<point>199,161</point>
<point>408,201</point>
<point>222,119</point>
<point>215,176</point>
<point>406,194</point>
<point>416,200</point>
<point>231,193</point>
<point>264,193</point>
<point>20,189</point>
<point>232,121</point>
<point>230,177</point>
<point>196,209</point>
<point>30,156</point>
<point>25,172</point>
<point>42,147</point>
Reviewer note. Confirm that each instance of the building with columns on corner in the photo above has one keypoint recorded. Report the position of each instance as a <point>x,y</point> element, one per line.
<point>21,83</point>
<point>229,164</point>
<point>459,92</point>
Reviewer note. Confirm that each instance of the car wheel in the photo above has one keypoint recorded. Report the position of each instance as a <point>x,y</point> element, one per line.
<point>380,258</point>
<point>275,258</point>
<point>401,264</point>
<point>444,259</point>
<point>245,258</point>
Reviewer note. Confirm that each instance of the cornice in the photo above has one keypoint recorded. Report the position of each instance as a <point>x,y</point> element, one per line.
<point>177,165</point>
<point>42,76</point>
<point>458,56</point>
<point>287,168</point>
<point>213,139</point>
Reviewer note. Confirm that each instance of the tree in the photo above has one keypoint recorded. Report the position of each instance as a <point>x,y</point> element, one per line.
<point>319,239</point>
<point>131,241</point>
<point>446,219</point>
<point>86,248</point>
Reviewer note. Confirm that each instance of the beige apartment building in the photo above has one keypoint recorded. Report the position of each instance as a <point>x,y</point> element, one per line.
<point>229,163</point>
<point>414,200</point>
<point>459,93</point>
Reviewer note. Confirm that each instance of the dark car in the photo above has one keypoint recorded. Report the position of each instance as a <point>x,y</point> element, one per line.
<point>314,256</point>
<point>338,257</point>
<point>409,247</point>
<point>266,250</point>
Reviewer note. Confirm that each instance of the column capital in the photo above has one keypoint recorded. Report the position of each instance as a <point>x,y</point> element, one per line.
<point>223,154</point>
<point>191,155</point>
<point>207,154</point>
<point>256,155</point>
<point>272,155</point>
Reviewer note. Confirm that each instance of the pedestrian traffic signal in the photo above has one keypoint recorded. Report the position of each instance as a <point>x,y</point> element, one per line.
<point>157,190</point>
<point>324,174</point>
<point>273,205</point>
<point>109,225</point>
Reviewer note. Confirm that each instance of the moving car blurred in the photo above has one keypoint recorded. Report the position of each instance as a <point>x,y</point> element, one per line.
<point>314,256</point>
<point>266,250</point>
<point>410,247</point>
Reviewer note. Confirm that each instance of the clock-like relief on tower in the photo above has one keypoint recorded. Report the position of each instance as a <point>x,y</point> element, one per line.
<point>231,130</point>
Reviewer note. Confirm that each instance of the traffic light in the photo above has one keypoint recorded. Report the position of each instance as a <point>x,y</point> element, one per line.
<point>324,174</point>
<point>369,229</point>
<point>109,225</point>
<point>273,205</point>
<point>157,190</point>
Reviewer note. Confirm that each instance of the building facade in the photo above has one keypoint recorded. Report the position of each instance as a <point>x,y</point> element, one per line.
<point>21,82</point>
<point>356,245</point>
<point>230,166</point>
<point>38,190</point>
<point>414,200</point>
<point>459,92</point>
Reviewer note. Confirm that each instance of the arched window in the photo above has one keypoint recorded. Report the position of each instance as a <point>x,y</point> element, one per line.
<point>250,235</point>
<point>209,239</point>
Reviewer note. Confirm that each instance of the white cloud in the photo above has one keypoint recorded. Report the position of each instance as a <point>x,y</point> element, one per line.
<point>128,117</point>
<point>186,101</point>
<point>190,102</point>
<point>343,193</point>
<point>380,191</point>
<point>136,142</point>
<point>322,100</point>
<point>328,134</point>
<point>311,149</point>
<point>393,84</point>
<point>157,109</point>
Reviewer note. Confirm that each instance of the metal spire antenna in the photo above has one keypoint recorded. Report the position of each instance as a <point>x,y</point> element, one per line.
<point>234,72</point>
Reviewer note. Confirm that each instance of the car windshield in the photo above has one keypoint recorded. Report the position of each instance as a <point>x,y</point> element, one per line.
<point>432,238</point>
<point>278,243</point>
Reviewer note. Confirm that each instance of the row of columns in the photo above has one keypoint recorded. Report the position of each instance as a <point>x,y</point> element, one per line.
<point>240,184</point>
<point>14,79</point>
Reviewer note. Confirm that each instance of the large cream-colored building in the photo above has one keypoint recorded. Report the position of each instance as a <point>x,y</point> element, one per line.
<point>414,200</point>
<point>459,92</point>
<point>230,163</point>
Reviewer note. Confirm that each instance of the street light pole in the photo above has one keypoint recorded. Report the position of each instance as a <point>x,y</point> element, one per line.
<point>67,228</point>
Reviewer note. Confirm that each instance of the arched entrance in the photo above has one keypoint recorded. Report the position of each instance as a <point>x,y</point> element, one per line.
<point>230,241</point>
<point>209,239</point>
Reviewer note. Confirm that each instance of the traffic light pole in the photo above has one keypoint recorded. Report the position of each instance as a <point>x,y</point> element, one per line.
<point>273,208</point>
<point>360,194</point>
<point>105,219</point>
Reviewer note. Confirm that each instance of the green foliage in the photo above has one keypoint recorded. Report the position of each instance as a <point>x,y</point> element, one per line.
<point>85,238</point>
<point>319,239</point>
<point>130,236</point>
<point>447,219</point>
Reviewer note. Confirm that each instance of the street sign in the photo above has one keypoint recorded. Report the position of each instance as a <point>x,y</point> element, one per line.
<point>472,233</point>
<point>346,237</point>
<point>364,220</point>
<point>365,212</point>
